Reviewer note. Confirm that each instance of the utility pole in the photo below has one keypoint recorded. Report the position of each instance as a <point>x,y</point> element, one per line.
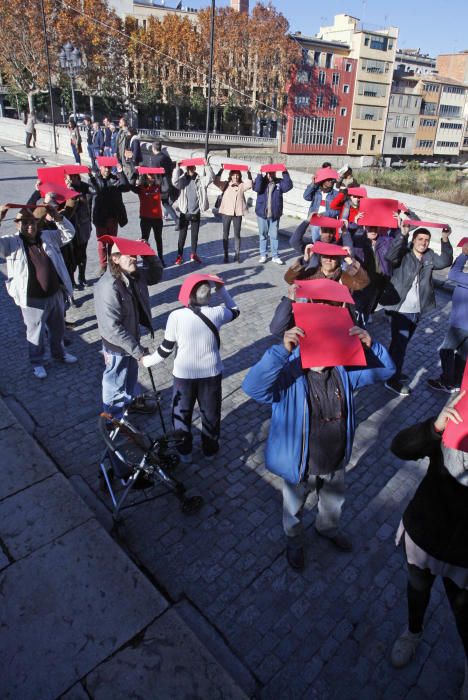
<point>210,76</point>
<point>49,79</point>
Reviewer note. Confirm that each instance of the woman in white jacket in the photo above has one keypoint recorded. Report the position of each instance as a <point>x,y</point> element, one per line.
<point>233,207</point>
<point>192,200</point>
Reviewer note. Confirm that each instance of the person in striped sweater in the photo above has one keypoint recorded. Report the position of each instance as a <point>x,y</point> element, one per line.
<point>193,331</point>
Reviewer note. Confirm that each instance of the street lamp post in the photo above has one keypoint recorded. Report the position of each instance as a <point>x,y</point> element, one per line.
<point>70,61</point>
<point>210,77</point>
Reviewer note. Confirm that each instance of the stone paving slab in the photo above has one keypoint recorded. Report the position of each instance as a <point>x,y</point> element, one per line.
<point>76,601</point>
<point>22,462</point>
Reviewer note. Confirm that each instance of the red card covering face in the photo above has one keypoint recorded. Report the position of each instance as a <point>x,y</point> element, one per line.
<point>235,166</point>
<point>142,170</point>
<point>379,212</point>
<point>127,246</point>
<point>75,169</point>
<point>61,192</point>
<point>192,161</point>
<point>191,281</point>
<point>325,221</point>
<point>52,175</point>
<point>424,224</point>
<point>323,290</point>
<point>273,168</point>
<point>461,243</point>
<point>107,161</point>
<point>327,342</point>
<point>328,249</point>
<point>326,174</point>
<point>357,191</point>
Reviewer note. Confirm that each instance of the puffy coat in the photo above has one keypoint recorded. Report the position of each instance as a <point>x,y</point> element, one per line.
<point>282,185</point>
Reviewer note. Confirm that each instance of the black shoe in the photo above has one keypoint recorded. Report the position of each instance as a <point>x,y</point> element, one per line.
<point>397,387</point>
<point>142,404</point>
<point>295,557</point>
<point>339,540</point>
<point>439,385</point>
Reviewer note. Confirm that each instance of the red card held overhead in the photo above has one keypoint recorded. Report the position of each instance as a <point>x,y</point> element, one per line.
<point>327,342</point>
<point>325,221</point>
<point>357,191</point>
<point>329,249</point>
<point>273,168</point>
<point>192,161</point>
<point>190,282</point>
<point>127,246</point>
<point>325,174</point>
<point>52,175</point>
<point>379,212</point>
<point>76,169</point>
<point>62,193</point>
<point>424,224</point>
<point>463,242</point>
<point>143,170</point>
<point>107,161</point>
<point>235,166</point>
<point>323,290</point>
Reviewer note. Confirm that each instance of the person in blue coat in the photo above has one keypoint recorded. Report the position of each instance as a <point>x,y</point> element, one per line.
<point>454,350</point>
<point>320,193</point>
<point>312,430</point>
<point>269,208</point>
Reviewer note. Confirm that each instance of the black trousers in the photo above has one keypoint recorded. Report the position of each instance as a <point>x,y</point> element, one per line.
<point>236,223</point>
<point>420,582</point>
<point>207,392</point>
<point>403,327</point>
<point>157,225</point>
<point>194,229</point>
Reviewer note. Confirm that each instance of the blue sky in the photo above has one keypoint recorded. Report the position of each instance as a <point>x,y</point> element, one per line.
<point>432,27</point>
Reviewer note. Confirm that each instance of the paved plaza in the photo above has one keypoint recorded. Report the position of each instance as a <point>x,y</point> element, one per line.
<point>323,634</point>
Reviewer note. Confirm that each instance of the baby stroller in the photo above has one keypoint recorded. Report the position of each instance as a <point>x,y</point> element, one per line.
<point>136,461</point>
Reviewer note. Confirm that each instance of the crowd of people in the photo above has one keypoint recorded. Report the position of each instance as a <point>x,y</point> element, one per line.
<point>351,257</point>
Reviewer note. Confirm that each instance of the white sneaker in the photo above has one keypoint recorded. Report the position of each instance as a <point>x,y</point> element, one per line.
<point>405,648</point>
<point>69,359</point>
<point>262,259</point>
<point>39,372</point>
<point>277,260</point>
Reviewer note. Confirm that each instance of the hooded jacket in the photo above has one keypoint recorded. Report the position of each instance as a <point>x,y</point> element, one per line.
<point>282,185</point>
<point>180,180</point>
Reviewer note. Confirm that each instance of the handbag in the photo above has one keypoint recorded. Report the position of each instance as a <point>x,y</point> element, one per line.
<point>197,311</point>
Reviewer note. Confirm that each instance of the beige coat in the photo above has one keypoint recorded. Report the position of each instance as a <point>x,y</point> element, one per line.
<point>233,202</point>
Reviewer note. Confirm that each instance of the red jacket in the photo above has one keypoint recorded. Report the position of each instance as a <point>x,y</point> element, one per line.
<point>346,210</point>
<point>150,201</point>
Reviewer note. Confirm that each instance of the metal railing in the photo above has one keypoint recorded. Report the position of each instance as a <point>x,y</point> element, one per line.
<point>199,137</point>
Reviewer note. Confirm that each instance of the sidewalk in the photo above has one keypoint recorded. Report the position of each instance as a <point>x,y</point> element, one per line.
<point>79,619</point>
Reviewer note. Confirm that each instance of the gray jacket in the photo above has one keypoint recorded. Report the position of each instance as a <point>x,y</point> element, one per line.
<point>119,315</point>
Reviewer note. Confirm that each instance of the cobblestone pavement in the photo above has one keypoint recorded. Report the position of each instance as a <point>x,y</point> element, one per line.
<point>326,633</point>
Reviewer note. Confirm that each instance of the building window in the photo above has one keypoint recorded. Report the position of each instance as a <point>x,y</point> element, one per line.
<point>319,101</point>
<point>379,42</point>
<point>301,101</point>
<point>450,125</point>
<point>400,101</point>
<point>346,89</point>
<point>429,108</point>
<point>424,143</point>
<point>427,122</point>
<point>399,142</point>
<point>340,141</point>
<point>447,144</point>
<point>349,67</point>
<point>333,101</point>
<point>397,120</point>
<point>303,76</point>
<point>454,90</point>
<point>372,142</point>
<point>449,111</point>
<point>366,41</point>
<point>321,78</point>
<point>430,87</point>
<point>374,66</point>
<point>313,131</point>
<point>369,113</point>
<point>329,61</point>
<point>343,112</point>
<point>359,142</point>
<point>372,89</point>
<point>412,122</point>
<point>465,141</point>
<point>316,57</point>
<point>405,121</point>
<point>335,78</point>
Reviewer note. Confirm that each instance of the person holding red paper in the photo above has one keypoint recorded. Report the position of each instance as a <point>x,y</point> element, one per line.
<point>320,193</point>
<point>194,332</point>
<point>108,209</point>
<point>192,200</point>
<point>410,292</point>
<point>454,349</point>
<point>122,305</point>
<point>371,248</point>
<point>38,281</point>
<point>148,189</point>
<point>233,207</point>
<point>78,210</point>
<point>434,529</point>
<point>347,203</point>
<point>313,422</point>
<point>269,208</point>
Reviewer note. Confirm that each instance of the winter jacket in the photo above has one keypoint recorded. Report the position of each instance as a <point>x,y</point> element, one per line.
<point>162,160</point>
<point>342,204</point>
<point>278,379</point>
<point>314,195</point>
<point>436,518</point>
<point>98,142</point>
<point>303,235</point>
<point>117,312</point>
<point>405,268</point>
<point>180,180</point>
<point>150,200</point>
<point>108,202</point>
<point>459,312</point>
<point>233,200</point>
<point>12,248</point>
<point>367,254</point>
<point>78,211</point>
<point>282,185</point>
<point>133,145</point>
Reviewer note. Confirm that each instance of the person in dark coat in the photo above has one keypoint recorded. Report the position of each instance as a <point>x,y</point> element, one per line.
<point>109,210</point>
<point>371,249</point>
<point>269,208</point>
<point>435,530</point>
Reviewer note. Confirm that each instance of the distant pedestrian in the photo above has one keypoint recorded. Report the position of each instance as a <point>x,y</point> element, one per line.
<point>89,140</point>
<point>132,153</point>
<point>75,140</point>
<point>122,139</point>
<point>233,207</point>
<point>107,137</point>
<point>269,208</point>
<point>114,135</point>
<point>193,199</point>
<point>30,130</point>
<point>98,144</point>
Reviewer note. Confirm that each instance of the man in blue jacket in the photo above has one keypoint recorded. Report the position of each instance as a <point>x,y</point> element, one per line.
<point>269,208</point>
<point>320,193</point>
<point>312,430</point>
<point>454,349</point>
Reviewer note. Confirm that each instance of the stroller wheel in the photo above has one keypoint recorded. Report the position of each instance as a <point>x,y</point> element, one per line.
<point>191,504</point>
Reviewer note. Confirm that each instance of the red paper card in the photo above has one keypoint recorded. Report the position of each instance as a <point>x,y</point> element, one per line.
<point>326,174</point>
<point>62,193</point>
<point>379,212</point>
<point>192,161</point>
<point>235,166</point>
<point>424,224</point>
<point>190,282</point>
<point>273,168</point>
<point>357,191</point>
<point>320,248</point>
<point>142,170</point>
<point>52,175</point>
<point>327,342</point>
<point>10,205</point>
<point>323,290</point>
<point>325,221</point>
<point>76,169</point>
<point>107,161</point>
<point>463,242</point>
<point>127,246</point>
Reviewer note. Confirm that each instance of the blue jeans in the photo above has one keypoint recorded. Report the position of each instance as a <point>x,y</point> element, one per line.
<point>119,382</point>
<point>403,327</point>
<point>76,155</point>
<point>107,151</point>
<point>268,228</point>
<point>169,209</point>
<point>92,156</point>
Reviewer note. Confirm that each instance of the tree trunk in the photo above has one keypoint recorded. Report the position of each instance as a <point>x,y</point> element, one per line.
<point>91,106</point>
<point>215,119</point>
<point>253,123</point>
<point>177,116</point>
<point>31,94</point>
